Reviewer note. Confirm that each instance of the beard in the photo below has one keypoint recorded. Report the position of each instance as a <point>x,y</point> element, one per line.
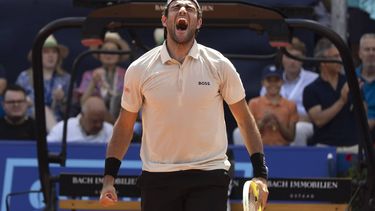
<point>189,32</point>
<point>188,38</point>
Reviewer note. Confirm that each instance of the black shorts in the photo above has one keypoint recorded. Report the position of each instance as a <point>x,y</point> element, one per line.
<point>190,190</point>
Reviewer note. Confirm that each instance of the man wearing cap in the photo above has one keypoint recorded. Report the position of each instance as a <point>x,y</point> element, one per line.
<point>296,78</point>
<point>275,115</point>
<point>180,88</point>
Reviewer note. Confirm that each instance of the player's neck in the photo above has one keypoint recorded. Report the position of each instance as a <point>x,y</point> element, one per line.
<point>179,51</point>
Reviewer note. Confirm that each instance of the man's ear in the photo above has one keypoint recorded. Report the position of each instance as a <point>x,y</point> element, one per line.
<point>164,20</point>
<point>360,55</point>
<point>199,24</point>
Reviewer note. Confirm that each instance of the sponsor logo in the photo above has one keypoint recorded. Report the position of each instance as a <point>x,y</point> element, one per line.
<point>204,83</point>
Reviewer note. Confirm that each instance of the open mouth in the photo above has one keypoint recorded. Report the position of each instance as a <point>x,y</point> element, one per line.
<point>182,24</point>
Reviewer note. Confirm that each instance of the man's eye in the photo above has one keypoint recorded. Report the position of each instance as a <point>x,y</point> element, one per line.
<point>190,9</point>
<point>175,8</point>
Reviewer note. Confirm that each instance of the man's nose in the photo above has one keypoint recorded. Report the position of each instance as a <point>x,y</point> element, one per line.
<point>182,10</point>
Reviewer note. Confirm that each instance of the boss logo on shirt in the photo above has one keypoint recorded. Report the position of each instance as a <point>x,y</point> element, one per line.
<point>203,83</point>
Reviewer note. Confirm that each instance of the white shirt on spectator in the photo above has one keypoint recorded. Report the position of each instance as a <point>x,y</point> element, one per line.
<point>75,132</point>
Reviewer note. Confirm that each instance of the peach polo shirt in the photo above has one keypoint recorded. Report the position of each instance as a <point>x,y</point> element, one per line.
<point>182,107</point>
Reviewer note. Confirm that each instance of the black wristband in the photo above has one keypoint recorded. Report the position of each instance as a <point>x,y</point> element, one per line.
<point>112,166</point>
<point>259,165</point>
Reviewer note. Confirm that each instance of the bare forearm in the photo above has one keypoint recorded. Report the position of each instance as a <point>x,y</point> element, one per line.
<point>120,141</point>
<point>116,149</point>
<point>251,135</point>
<point>248,127</point>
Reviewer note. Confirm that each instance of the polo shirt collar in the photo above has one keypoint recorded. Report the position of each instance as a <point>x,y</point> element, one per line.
<point>165,57</point>
<point>194,51</point>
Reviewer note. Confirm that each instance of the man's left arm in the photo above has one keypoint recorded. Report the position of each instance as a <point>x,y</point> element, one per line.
<point>253,142</point>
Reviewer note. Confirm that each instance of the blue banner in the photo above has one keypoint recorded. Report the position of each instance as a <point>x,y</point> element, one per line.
<point>19,166</point>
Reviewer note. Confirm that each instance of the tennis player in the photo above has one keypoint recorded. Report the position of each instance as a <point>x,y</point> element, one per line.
<point>180,88</point>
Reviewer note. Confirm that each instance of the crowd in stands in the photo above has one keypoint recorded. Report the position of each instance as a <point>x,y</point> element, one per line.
<point>325,114</point>
<point>98,96</point>
<point>295,106</point>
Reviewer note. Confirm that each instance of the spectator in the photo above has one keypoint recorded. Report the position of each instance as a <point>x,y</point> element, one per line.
<point>56,81</point>
<point>366,73</point>
<point>16,124</point>
<point>276,116</point>
<point>296,78</point>
<point>3,84</point>
<point>327,102</point>
<point>89,126</point>
<point>107,80</point>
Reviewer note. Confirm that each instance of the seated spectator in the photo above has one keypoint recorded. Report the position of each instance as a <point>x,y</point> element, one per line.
<point>296,78</point>
<point>328,104</point>
<point>3,84</point>
<point>366,73</point>
<point>106,81</point>
<point>16,124</point>
<point>276,116</point>
<point>56,81</point>
<point>89,126</point>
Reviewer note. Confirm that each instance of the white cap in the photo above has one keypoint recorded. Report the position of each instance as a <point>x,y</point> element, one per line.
<point>195,1</point>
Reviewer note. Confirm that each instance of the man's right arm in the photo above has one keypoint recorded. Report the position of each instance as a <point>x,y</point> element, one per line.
<point>122,134</point>
<point>117,147</point>
<point>253,142</point>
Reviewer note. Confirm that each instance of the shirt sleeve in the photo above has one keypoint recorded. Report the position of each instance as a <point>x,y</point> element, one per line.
<point>262,91</point>
<point>131,96</point>
<point>55,135</point>
<point>232,89</point>
<point>85,81</point>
